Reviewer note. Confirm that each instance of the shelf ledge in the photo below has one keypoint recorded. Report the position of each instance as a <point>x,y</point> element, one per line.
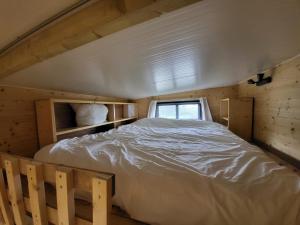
<point>76,129</point>
<point>58,100</point>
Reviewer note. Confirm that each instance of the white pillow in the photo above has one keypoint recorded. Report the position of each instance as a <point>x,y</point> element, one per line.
<point>90,114</point>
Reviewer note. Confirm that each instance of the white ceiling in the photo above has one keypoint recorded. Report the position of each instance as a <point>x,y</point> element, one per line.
<point>209,44</point>
<point>19,16</point>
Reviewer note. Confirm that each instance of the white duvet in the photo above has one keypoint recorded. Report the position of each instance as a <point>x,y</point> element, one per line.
<point>173,172</point>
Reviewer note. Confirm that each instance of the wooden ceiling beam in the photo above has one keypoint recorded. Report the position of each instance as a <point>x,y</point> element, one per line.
<point>100,19</point>
<point>130,5</point>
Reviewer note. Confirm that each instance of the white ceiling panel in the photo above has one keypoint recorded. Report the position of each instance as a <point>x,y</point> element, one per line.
<point>209,44</point>
<point>19,16</point>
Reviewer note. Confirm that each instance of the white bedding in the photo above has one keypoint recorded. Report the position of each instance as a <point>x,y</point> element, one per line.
<point>173,172</point>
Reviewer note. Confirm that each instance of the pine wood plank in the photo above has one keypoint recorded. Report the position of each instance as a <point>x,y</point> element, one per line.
<point>4,204</point>
<point>81,177</point>
<point>65,196</point>
<point>46,122</point>
<point>15,190</point>
<point>37,193</point>
<point>53,215</point>
<point>78,101</point>
<point>101,201</point>
<point>75,129</point>
<point>237,115</point>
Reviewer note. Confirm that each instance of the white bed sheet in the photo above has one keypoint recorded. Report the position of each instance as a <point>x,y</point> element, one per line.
<point>175,172</point>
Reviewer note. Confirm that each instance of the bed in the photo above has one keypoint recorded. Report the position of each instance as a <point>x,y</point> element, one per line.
<point>173,172</point>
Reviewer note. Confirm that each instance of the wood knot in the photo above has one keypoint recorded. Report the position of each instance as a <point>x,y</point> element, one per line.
<point>37,188</point>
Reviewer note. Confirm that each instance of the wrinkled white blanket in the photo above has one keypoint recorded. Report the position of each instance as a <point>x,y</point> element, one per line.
<point>173,172</point>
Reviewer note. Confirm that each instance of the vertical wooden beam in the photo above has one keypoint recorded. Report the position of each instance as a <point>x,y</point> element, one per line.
<point>37,193</point>
<point>65,197</point>
<point>101,201</point>
<point>46,122</point>
<point>4,204</point>
<point>15,190</point>
<point>111,112</point>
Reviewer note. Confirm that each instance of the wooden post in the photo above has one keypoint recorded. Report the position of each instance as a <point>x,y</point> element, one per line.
<point>111,112</point>
<point>65,197</point>
<point>37,193</point>
<point>4,204</point>
<point>46,122</point>
<point>101,201</point>
<point>15,190</point>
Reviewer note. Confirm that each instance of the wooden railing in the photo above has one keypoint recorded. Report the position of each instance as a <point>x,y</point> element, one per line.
<point>16,206</point>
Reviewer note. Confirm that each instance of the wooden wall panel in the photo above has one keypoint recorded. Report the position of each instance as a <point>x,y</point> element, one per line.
<point>18,130</point>
<point>277,108</point>
<point>214,95</point>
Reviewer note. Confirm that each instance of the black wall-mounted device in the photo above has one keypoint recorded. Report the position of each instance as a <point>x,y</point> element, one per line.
<point>260,80</point>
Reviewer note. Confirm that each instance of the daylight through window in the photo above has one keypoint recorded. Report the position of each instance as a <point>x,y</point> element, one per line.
<point>189,110</point>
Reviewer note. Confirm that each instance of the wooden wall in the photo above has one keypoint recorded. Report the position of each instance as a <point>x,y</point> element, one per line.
<point>18,130</point>
<point>277,108</point>
<point>214,95</point>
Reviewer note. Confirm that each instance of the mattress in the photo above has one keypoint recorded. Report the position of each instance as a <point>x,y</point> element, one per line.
<point>179,172</point>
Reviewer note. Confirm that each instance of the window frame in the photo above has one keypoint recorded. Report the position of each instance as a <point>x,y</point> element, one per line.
<point>177,103</point>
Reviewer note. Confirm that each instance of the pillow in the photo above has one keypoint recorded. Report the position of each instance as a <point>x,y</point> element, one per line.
<point>90,114</point>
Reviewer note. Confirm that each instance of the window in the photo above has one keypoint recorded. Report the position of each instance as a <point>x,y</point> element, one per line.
<point>188,110</point>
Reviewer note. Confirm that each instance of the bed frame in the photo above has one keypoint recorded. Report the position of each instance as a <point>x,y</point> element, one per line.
<point>26,196</point>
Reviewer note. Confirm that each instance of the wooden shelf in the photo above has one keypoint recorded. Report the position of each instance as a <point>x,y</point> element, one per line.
<point>54,100</point>
<point>236,115</point>
<point>56,119</point>
<point>75,129</point>
<point>225,99</point>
